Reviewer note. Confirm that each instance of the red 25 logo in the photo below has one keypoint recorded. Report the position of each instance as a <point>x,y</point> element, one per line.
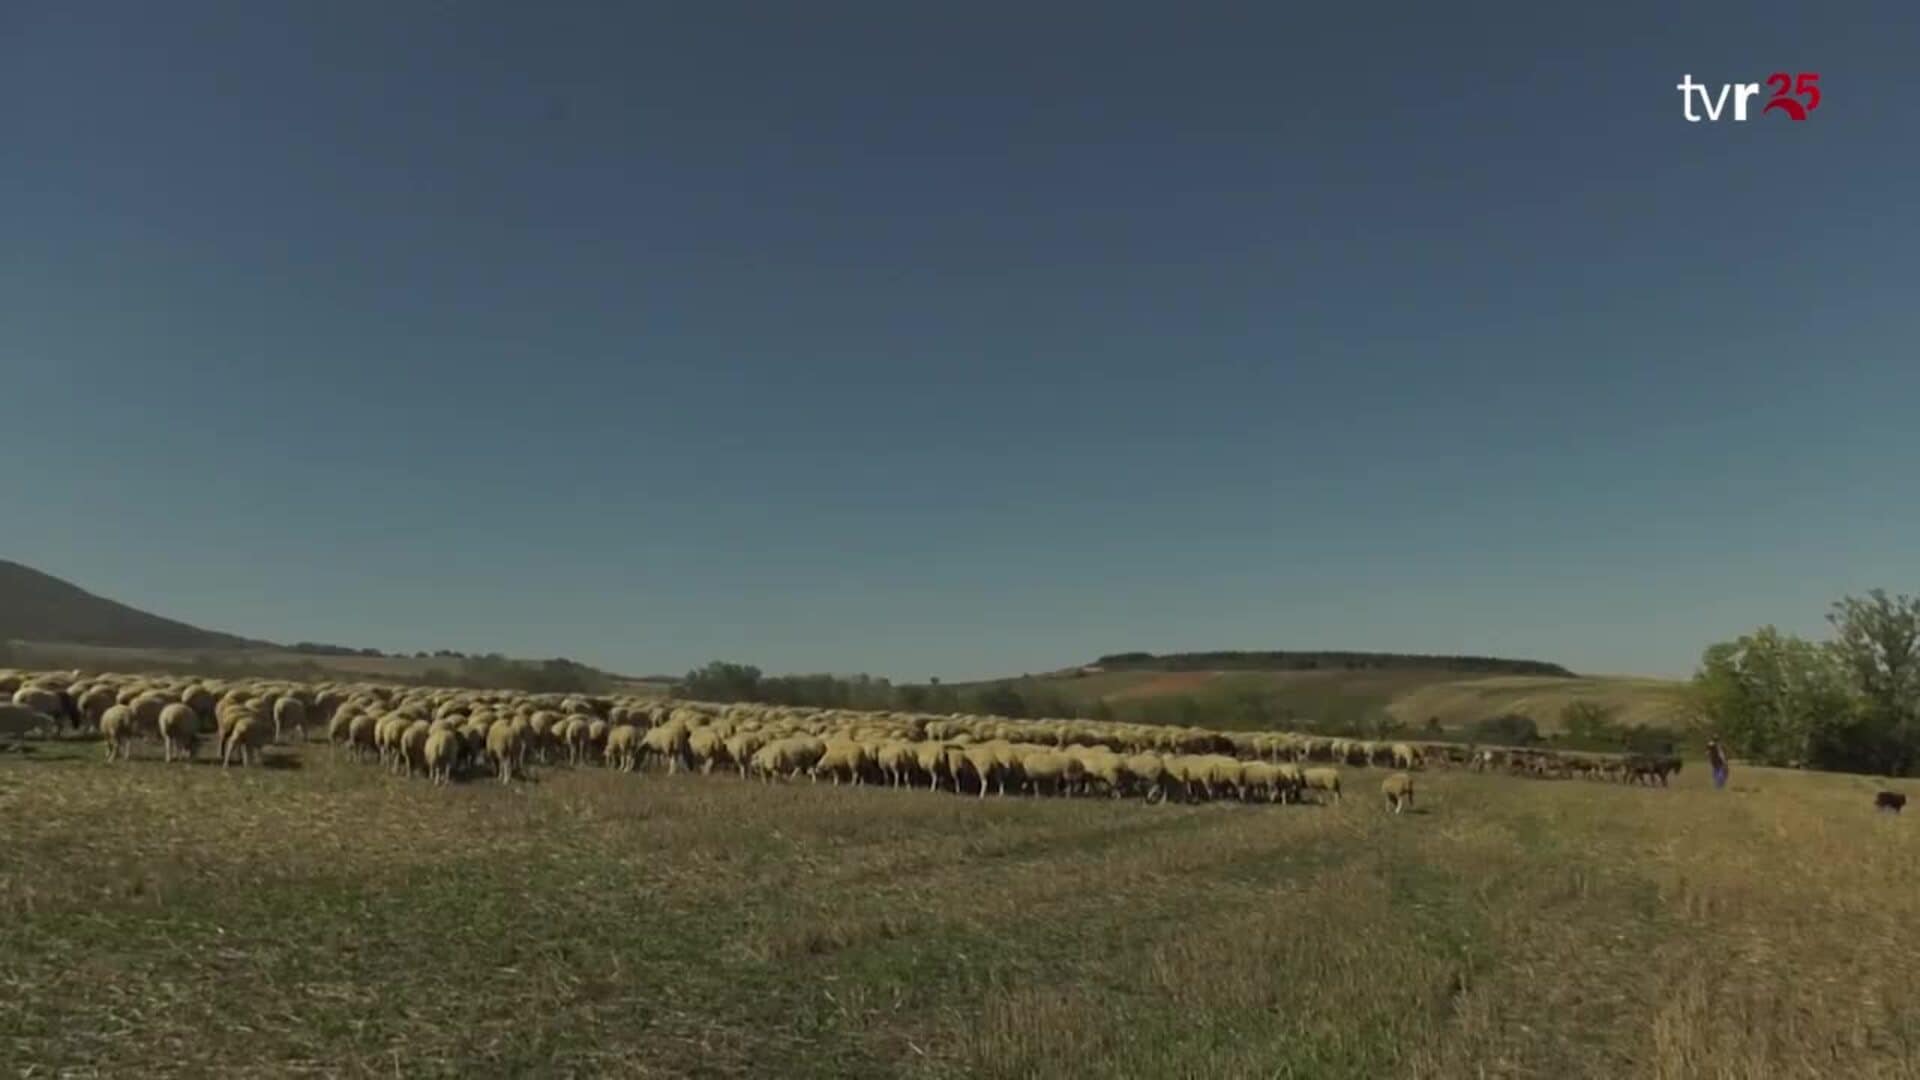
<point>1805,85</point>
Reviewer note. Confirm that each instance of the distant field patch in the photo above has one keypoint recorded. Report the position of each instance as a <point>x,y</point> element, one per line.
<point>1172,682</point>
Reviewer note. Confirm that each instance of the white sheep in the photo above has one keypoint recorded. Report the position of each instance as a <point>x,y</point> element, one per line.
<point>179,731</point>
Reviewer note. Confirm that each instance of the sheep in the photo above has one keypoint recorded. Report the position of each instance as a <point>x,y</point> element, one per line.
<point>741,746</point>
<point>894,759</point>
<point>116,730</point>
<point>787,757</point>
<point>841,757</point>
<point>707,747</point>
<point>179,730</point>
<point>1398,789</point>
<point>1322,780</point>
<point>361,731</point>
<point>442,747</point>
<point>289,713</point>
<point>1291,780</point>
<point>623,747</point>
<point>340,727</point>
<point>231,710</point>
<point>18,720</point>
<point>931,757</point>
<point>44,701</point>
<point>669,741</point>
<point>571,735</point>
<point>94,703</point>
<point>1149,773</point>
<point>249,734</point>
<point>386,737</point>
<point>1889,800</point>
<point>413,747</point>
<point>506,744</point>
<point>1403,757</point>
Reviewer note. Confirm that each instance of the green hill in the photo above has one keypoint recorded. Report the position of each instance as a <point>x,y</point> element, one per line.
<point>1406,696</point>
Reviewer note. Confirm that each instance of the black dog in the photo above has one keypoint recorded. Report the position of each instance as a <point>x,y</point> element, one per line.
<point>1889,800</point>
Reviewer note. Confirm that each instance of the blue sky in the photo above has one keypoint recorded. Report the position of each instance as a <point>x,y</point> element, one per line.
<point>959,339</point>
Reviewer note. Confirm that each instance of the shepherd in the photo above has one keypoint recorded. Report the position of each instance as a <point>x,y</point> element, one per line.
<point>1717,760</point>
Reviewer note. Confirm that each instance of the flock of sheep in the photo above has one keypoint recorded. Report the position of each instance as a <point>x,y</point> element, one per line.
<point>444,734</point>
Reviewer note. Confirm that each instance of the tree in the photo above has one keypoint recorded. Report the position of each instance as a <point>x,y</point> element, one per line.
<point>1877,644</point>
<point>1774,698</point>
<point>1508,729</point>
<point>1588,723</point>
<point>723,681</point>
<point>1000,699</point>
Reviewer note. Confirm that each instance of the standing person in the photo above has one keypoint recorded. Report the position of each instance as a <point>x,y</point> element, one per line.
<point>1717,760</point>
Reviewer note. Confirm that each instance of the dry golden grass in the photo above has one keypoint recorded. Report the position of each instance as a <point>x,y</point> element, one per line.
<point>332,919</point>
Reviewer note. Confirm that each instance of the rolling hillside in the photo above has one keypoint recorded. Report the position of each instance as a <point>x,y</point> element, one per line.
<point>40,607</point>
<point>1409,695</point>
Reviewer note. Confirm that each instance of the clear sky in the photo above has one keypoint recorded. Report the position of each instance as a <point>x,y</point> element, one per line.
<point>960,339</point>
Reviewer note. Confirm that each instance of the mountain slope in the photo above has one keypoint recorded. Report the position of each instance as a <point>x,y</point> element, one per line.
<point>40,607</point>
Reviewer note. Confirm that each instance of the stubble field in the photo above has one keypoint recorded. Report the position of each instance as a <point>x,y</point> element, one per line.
<point>326,917</point>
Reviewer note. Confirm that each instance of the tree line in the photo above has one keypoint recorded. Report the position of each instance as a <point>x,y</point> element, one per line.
<point>1850,703</point>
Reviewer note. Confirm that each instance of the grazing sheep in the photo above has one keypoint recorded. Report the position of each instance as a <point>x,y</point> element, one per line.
<point>1398,789</point>
<point>707,747</point>
<point>741,746</point>
<point>842,757</point>
<point>1889,800</point>
<point>1322,780</point>
<point>361,730</point>
<point>669,741</point>
<point>249,734</point>
<point>1148,772</point>
<point>506,744</point>
<point>116,730</point>
<point>623,747</point>
<point>786,757</point>
<point>441,750</point>
<point>894,759</point>
<point>18,721</point>
<point>179,730</point>
<point>413,747</point>
<point>44,701</point>
<point>1404,757</point>
<point>94,703</point>
<point>289,714</point>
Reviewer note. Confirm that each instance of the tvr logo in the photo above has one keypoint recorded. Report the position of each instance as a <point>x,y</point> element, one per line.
<point>1788,89</point>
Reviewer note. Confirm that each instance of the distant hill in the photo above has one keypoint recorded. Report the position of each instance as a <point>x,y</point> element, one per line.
<point>1281,660</point>
<point>40,607</point>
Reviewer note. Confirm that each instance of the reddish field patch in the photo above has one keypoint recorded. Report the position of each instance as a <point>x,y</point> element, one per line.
<point>1173,682</point>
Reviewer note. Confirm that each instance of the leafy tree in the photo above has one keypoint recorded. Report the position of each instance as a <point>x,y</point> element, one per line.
<point>1877,643</point>
<point>1508,729</point>
<point>1588,723</point>
<point>722,681</point>
<point>1772,697</point>
<point>1000,699</point>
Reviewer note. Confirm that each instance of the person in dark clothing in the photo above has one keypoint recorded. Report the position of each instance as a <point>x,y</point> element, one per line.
<point>1717,761</point>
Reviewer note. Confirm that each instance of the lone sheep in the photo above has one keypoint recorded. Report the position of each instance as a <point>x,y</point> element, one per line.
<point>1398,789</point>
<point>1889,800</point>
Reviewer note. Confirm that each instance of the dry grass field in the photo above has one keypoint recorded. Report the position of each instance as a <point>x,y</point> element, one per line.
<point>323,917</point>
